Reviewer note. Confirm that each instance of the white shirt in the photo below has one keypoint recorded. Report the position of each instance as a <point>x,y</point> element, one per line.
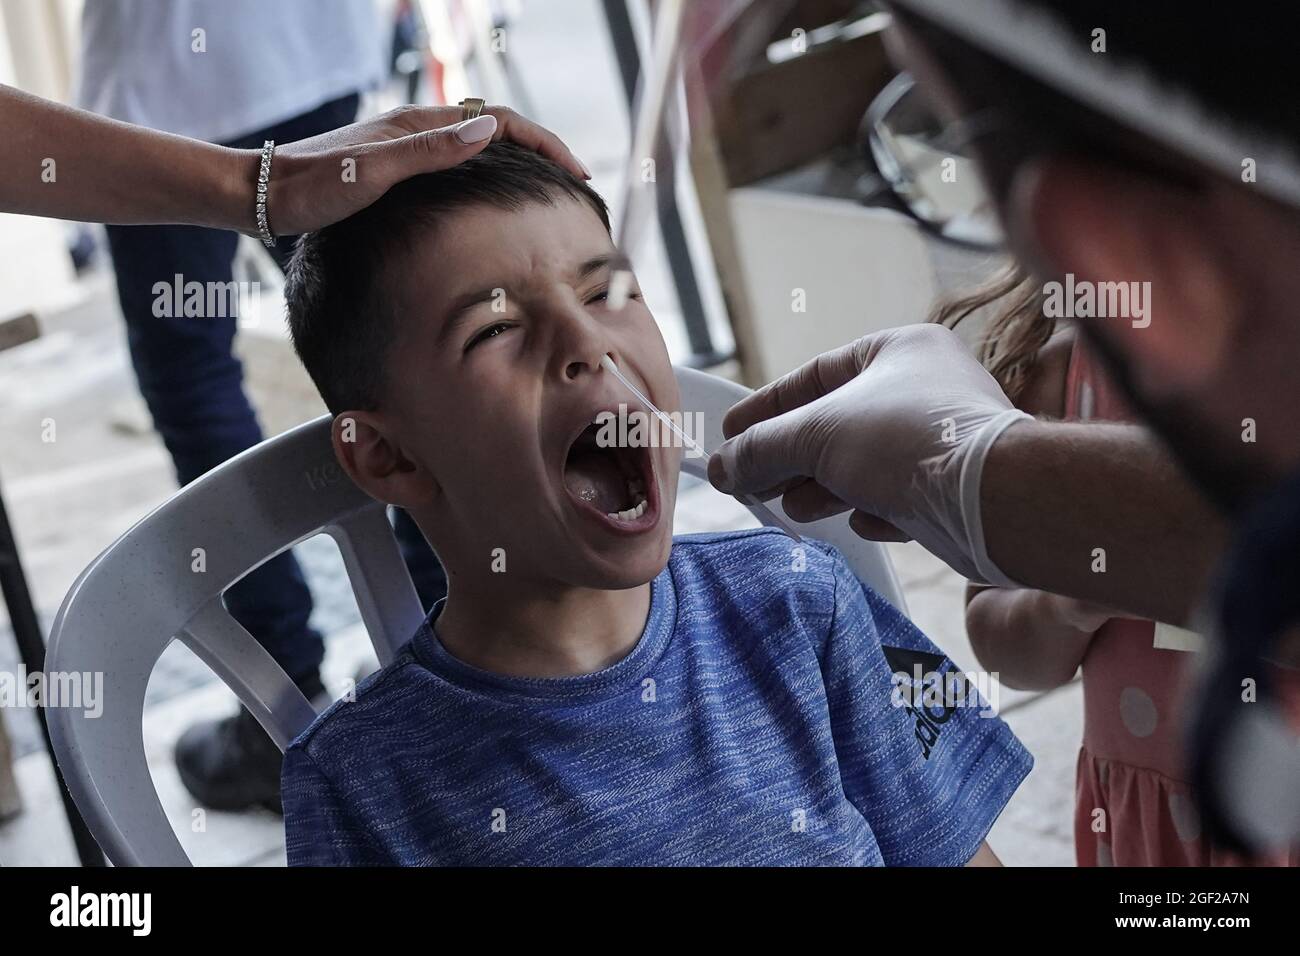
<point>255,63</point>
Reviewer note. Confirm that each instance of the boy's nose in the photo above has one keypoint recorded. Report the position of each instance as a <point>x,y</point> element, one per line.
<point>582,343</point>
<point>577,368</point>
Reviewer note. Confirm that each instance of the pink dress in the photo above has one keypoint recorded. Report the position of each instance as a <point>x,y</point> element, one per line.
<point>1133,805</point>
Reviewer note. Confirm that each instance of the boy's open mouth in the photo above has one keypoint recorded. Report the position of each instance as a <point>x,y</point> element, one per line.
<point>615,483</point>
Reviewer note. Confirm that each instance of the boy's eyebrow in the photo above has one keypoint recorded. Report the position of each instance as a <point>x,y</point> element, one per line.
<point>461,305</point>
<point>594,264</point>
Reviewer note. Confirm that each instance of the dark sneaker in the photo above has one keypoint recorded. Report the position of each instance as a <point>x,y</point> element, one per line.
<point>232,763</point>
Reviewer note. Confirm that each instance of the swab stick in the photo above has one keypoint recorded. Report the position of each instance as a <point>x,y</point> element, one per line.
<point>607,363</point>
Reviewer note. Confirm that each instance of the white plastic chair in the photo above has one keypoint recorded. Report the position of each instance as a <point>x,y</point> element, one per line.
<point>140,593</point>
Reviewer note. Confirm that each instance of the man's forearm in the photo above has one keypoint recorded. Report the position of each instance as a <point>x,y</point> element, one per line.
<point>1098,512</point>
<point>70,164</point>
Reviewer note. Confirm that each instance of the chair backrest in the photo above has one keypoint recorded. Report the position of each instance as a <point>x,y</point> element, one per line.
<point>163,579</point>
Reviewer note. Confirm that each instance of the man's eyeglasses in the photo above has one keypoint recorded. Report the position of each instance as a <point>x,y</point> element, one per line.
<point>926,169</point>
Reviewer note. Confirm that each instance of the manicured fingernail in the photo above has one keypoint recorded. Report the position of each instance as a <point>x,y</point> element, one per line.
<point>585,171</point>
<point>475,130</point>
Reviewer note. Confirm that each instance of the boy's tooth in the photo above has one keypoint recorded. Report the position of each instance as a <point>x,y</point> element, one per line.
<point>630,514</point>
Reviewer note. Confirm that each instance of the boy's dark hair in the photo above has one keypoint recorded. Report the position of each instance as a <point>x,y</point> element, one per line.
<point>341,317</point>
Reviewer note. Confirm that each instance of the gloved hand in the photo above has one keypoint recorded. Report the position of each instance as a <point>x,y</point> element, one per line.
<point>895,426</point>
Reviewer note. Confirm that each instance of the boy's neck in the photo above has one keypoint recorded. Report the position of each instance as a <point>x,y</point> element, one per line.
<point>552,633</point>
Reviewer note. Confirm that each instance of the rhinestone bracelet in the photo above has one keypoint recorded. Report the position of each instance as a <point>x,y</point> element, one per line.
<point>263,180</point>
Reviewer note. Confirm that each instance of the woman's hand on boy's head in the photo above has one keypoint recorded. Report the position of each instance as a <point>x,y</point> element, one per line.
<point>320,180</point>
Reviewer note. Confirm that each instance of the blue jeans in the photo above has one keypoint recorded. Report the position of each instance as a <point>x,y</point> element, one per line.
<point>193,385</point>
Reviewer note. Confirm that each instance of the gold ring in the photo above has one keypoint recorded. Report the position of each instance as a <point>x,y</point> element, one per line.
<point>470,107</point>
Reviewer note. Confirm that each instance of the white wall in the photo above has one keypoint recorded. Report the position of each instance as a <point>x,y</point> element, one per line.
<point>35,271</point>
<point>859,270</point>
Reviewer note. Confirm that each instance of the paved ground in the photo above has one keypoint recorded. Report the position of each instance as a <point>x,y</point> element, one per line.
<point>70,498</point>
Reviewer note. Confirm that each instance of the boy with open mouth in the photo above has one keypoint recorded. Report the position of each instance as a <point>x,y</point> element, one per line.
<point>590,691</point>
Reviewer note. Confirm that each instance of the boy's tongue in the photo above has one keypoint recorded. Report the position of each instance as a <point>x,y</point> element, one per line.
<point>594,476</point>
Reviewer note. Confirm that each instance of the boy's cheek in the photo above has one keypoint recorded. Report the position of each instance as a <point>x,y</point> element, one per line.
<point>670,467</point>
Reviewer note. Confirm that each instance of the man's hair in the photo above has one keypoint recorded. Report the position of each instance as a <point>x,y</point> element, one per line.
<point>341,316</point>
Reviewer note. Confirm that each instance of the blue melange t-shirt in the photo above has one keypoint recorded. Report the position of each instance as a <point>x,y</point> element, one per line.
<point>755,722</point>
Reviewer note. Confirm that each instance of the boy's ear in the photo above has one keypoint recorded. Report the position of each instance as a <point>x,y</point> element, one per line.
<point>1108,226</point>
<point>367,450</point>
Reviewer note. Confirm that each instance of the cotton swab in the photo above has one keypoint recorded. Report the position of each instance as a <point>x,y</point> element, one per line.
<point>607,363</point>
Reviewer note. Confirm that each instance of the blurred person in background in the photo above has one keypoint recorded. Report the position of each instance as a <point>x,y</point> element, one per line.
<point>238,73</point>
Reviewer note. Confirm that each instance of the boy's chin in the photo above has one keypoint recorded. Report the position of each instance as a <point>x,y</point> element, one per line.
<point>616,573</point>
<point>622,582</point>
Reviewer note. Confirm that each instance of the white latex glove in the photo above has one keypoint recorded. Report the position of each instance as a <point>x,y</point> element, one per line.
<point>896,426</point>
